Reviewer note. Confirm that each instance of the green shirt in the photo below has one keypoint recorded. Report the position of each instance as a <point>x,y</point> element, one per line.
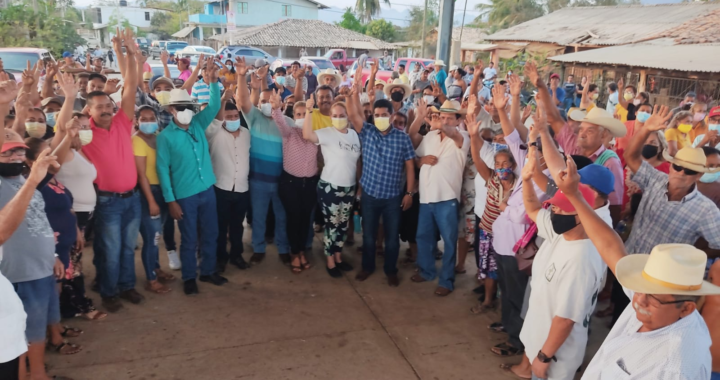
<point>183,156</point>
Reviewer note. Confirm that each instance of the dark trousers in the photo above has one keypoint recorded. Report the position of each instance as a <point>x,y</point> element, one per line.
<point>9,370</point>
<point>169,235</point>
<point>390,210</point>
<point>231,209</point>
<point>298,196</point>
<point>512,294</point>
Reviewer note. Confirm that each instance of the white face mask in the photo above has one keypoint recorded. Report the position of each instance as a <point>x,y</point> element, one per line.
<point>429,99</point>
<point>266,109</point>
<point>299,123</point>
<point>85,136</point>
<point>185,117</point>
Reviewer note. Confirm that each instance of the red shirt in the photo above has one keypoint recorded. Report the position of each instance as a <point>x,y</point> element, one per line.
<point>111,152</point>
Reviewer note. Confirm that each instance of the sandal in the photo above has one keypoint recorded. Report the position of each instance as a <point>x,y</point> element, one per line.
<point>94,315</point>
<point>506,350</point>
<point>304,263</point>
<point>296,269</point>
<point>157,287</point>
<point>442,292</point>
<point>65,348</point>
<point>497,327</point>
<point>482,308</point>
<point>70,332</point>
<point>164,277</point>
<point>507,370</point>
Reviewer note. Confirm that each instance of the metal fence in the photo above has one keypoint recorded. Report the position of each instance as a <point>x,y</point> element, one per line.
<point>671,91</point>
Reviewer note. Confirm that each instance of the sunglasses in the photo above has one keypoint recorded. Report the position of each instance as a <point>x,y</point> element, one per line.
<point>181,108</point>
<point>687,171</point>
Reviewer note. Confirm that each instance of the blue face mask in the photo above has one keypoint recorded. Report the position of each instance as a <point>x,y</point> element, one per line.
<point>498,147</point>
<point>50,118</point>
<point>149,127</point>
<point>232,125</point>
<point>710,177</point>
<point>642,116</point>
<point>712,127</point>
<point>280,80</point>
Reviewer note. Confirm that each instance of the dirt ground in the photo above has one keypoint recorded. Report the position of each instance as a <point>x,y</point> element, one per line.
<point>268,323</point>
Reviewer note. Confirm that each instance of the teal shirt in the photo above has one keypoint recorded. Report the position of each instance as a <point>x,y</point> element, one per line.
<point>183,157</point>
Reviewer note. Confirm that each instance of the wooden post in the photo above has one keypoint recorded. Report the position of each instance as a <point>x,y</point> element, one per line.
<point>642,81</point>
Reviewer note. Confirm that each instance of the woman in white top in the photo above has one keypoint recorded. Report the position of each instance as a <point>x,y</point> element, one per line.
<point>340,147</point>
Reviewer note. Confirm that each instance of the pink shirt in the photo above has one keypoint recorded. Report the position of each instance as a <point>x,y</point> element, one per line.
<point>147,68</point>
<point>185,75</point>
<point>299,155</point>
<point>112,153</point>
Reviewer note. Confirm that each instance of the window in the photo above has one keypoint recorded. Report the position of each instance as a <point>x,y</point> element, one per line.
<point>243,8</point>
<point>287,10</point>
<point>147,16</point>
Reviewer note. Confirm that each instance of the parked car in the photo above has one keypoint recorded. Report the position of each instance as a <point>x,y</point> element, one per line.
<point>384,75</point>
<point>172,47</point>
<point>158,69</point>
<point>321,62</point>
<point>156,48</point>
<point>198,49</point>
<point>251,54</point>
<point>339,57</point>
<point>14,60</point>
<point>194,56</point>
<point>143,44</point>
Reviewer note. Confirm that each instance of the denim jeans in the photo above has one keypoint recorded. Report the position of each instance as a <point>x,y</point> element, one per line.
<point>117,222</point>
<point>433,216</point>
<point>231,210</point>
<point>261,194</point>
<point>150,231</point>
<point>390,210</point>
<point>199,215</point>
<point>169,234</point>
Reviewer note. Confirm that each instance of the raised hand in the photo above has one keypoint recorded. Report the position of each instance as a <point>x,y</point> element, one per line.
<point>310,104</point>
<point>211,71</point>
<point>472,124</point>
<point>479,68</point>
<point>527,111</point>
<point>515,85</point>
<point>299,73</point>
<point>72,127</point>
<point>228,94</point>
<point>436,91</point>
<point>375,67</point>
<point>111,86</point>
<point>540,122</point>
<point>140,57</point>
<point>275,100</point>
<point>499,99</point>
<point>254,82</point>
<point>434,122</point>
<point>531,72</point>
<point>129,41</point>
<point>164,56</point>
<point>473,106</point>
<point>621,84</point>
<point>658,121</point>
<point>529,168</point>
<point>262,72</point>
<point>28,75</point>
<point>240,66</point>
<point>67,84</point>
<point>568,179</point>
<point>40,168</point>
<point>421,110</point>
<point>8,89</point>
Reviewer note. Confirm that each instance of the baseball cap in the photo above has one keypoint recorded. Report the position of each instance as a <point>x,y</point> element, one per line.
<point>185,61</point>
<point>563,203</point>
<point>691,94</point>
<point>12,141</point>
<point>159,79</point>
<point>147,76</point>
<point>554,75</point>
<point>599,177</point>
<point>715,111</point>
<point>67,54</point>
<point>53,99</point>
<point>260,62</point>
<point>453,68</point>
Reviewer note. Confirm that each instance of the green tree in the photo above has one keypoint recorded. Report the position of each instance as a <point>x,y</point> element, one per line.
<point>367,9</point>
<point>503,14</point>
<point>381,29</point>
<point>349,21</point>
<point>21,26</point>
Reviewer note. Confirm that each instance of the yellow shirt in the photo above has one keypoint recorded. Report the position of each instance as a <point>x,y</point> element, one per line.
<point>622,112</point>
<point>142,149</point>
<point>701,129</point>
<point>320,121</point>
<point>673,134</point>
<point>404,78</point>
<point>229,78</point>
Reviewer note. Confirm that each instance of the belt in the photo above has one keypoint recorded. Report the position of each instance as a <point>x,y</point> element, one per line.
<point>126,194</point>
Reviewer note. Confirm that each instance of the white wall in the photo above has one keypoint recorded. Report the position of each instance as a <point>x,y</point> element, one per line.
<point>260,12</point>
<point>135,16</point>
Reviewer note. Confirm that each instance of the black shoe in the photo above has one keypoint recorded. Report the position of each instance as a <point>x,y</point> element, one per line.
<point>334,272</point>
<point>190,287</point>
<point>240,263</point>
<point>285,259</point>
<point>257,258</point>
<point>393,280</point>
<point>112,304</point>
<point>214,279</point>
<point>132,296</point>
<point>343,266</point>
<point>220,267</point>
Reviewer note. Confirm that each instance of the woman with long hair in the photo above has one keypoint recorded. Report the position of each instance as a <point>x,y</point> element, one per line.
<point>677,132</point>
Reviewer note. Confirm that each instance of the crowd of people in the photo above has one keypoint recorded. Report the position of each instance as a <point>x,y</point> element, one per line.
<point>564,205</point>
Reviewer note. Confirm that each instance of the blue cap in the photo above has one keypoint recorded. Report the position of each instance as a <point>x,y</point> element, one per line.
<point>599,177</point>
<point>67,54</point>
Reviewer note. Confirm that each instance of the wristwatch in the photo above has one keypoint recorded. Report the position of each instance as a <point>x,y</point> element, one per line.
<point>410,193</point>
<point>534,143</point>
<point>543,358</point>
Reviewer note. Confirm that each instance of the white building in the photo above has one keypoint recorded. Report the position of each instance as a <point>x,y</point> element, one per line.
<point>106,18</point>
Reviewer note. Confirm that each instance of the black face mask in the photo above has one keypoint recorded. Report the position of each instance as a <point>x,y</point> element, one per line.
<point>289,111</point>
<point>649,151</point>
<point>13,169</point>
<point>370,119</point>
<point>397,96</point>
<point>562,223</point>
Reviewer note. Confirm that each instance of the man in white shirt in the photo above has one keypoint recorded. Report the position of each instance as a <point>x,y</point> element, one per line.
<point>229,142</point>
<point>662,336</point>
<point>612,98</point>
<point>441,157</point>
<point>490,73</point>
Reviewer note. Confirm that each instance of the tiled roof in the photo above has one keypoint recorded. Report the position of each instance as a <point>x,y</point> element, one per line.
<point>469,35</point>
<point>301,33</point>
<point>701,30</point>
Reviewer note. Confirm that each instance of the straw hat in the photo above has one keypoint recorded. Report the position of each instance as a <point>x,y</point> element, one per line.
<point>439,62</point>
<point>676,269</point>
<point>329,72</point>
<point>379,81</point>
<point>395,84</point>
<point>450,106</point>
<point>691,158</point>
<point>599,116</point>
<point>180,97</point>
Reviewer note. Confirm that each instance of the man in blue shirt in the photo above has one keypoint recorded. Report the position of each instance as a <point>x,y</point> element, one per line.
<point>441,75</point>
<point>186,178</point>
<point>570,87</point>
<point>557,94</point>
<point>279,83</point>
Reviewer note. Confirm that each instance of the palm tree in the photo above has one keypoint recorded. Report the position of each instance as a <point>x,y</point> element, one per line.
<point>367,9</point>
<point>506,13</point>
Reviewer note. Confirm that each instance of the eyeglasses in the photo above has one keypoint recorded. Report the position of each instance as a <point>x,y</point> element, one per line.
<point>664,302</point>
<point>181,108</point>
<point>687,171</point>
<point>17,152</point>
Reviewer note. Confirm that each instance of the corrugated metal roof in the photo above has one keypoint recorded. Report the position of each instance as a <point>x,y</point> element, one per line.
<point>658,54</point>
<point>615,25</point>
<point>301,33</point>
<point>182,33</point>
<point>702,30</point>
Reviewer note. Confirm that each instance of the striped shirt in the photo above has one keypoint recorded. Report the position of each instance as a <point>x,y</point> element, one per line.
<point>201,91</point>
<point>492,208</point>
<point>299,155</point>
<point>266,147</point>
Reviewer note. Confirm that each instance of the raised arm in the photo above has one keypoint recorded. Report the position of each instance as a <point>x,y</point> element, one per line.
<point>621,93</point>
<point>476,143</point>
<point>206,116</point>
<point>88,59</point>
<point>117,46</point>
<point>164,58</point>
<point>299,75</point>
<point>476,78</point>
<point>656,122</point>
<point>72,128</point>
<point>192,79</point>
<point>500,101</point>
<point>355,110</point>
<point>530,199</point>
<point>226,96</point>
<point>420,118</point>
<point>47,87</point>
<point>277,115</point>
<point>553,159</point>
<point>370,86</point>
<point>70,89</point>
<point>22,108</point>
<point>552,113</point>
<point>515,87</point>
<point>131,80</point>
<point>308,132</point>
<point>242,95</point>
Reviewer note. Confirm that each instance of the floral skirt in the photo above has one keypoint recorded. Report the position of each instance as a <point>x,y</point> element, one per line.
<point>337,206</point>
<point>484,253</point>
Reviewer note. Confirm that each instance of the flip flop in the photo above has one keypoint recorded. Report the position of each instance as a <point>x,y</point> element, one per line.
<point>506,367</point>
<point>70,332</point>
<point>497,327</point>
<point>506,350</point>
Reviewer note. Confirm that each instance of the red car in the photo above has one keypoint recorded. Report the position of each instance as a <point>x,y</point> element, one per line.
<point>384,75</point>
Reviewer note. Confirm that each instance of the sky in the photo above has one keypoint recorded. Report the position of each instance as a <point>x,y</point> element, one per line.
<point>398,12</point>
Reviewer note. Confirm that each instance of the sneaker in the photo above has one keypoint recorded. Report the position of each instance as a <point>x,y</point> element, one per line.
<point>174,260</point>
<point>132,296</point>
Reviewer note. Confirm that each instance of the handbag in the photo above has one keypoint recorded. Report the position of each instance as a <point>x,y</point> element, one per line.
<point>525,249</point>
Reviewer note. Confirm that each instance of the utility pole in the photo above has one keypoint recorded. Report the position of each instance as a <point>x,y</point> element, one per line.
<point>422,39</point>
<point>445,30</point>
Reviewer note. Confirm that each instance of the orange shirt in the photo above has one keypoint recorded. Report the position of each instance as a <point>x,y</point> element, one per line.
<point>112,153</point>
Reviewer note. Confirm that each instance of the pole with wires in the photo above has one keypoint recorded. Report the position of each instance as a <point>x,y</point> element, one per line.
<point>422,38</point>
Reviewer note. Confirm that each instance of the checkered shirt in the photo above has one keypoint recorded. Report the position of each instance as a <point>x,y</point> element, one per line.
<point>143,99</point>
<point>660,221</point>
<point>383,158</point>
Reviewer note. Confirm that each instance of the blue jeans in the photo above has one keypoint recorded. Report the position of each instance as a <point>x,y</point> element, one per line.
<point>433,216</point>
<point>199,215</point>
<point>715,376</point>
<point>568,102</point>
<point>150,231</point>
<point>390,210</point>
<point>261,194</point>
<point>116,226</point>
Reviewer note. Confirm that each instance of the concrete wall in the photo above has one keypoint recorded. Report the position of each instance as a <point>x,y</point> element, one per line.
<point>135,16</point>
<point>260,12</point>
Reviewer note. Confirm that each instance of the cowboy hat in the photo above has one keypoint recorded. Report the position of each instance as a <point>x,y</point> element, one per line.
<point>450,106</point>
<point>180,97</point>
<point>379,81</point>
<point>676,269</point>
<point>439,62</point>
<point>329,72</point>
<point>395,84</point>
<point>599,116</point>
<point>690,158</point>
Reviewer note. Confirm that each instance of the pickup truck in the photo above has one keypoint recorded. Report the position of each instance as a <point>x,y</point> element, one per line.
<point>339,57</point>
<point>384,75</point>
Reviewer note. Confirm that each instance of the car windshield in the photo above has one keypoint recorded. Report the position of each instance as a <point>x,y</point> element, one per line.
<point>176,45</point>
<point>323,64</point>
<point>205,50</point>
<point>158,70</point>
<point>17,61</point>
